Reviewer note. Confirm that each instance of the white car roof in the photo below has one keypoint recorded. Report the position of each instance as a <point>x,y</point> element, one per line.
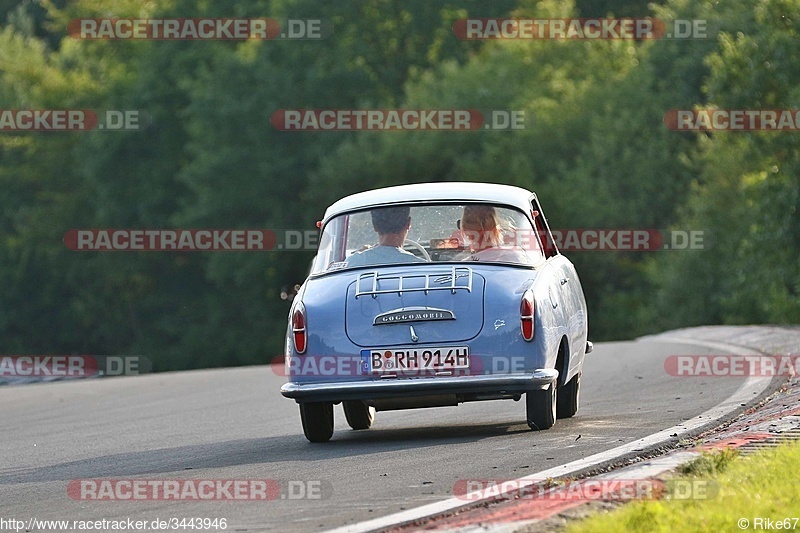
<point>447,191</point>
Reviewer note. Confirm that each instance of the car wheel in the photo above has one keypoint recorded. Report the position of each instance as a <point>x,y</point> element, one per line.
<point>541,407</point>
<point>358,414</point>
<point>569,397</point>
<point>317,418</point>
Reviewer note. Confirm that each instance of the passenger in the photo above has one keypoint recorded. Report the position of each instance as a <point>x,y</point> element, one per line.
<point>483,233</point>
<point>392,225</point>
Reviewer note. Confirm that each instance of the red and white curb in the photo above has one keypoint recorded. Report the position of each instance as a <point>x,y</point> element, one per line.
<point>511,516</point>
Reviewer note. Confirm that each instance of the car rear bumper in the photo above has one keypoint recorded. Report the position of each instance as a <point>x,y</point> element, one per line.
<point>390,388</point>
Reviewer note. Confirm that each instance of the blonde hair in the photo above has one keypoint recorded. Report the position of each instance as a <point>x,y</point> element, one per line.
<point>479,223</point>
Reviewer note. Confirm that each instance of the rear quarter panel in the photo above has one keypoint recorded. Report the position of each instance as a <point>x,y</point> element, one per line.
<point>574,315</point>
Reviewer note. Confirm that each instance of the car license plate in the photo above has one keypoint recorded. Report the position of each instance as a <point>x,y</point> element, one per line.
<point>436,358</point>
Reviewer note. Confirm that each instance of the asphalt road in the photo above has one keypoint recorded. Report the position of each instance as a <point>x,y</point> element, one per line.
<point>233,424</point>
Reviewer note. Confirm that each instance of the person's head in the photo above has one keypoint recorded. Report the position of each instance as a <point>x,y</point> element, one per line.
<point>480,226</point>
<point>386,220</point>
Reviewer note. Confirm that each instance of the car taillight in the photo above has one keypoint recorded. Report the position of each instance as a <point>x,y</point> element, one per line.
<point>526,310</point>
<point>299,333</point>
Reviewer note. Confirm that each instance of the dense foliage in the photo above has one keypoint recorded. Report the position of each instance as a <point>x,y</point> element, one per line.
<point>595,148</point>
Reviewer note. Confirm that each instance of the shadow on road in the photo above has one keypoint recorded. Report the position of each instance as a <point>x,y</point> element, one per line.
<point>182,460</point>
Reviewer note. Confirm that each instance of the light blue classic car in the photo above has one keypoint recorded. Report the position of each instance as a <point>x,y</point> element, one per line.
<point>431,295</point>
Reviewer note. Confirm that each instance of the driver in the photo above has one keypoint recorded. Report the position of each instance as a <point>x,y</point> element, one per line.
<point>391,225</point>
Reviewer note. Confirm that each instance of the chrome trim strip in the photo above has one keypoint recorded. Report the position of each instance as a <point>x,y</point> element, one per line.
<point>382,318</point>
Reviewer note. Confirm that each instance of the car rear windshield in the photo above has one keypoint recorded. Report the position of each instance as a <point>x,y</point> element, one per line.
<point>428,233</point>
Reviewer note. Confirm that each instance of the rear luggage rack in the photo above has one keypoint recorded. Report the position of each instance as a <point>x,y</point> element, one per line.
<point>453,279</point>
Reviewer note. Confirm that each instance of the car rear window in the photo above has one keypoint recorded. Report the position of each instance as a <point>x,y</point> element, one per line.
<point>419,234</point>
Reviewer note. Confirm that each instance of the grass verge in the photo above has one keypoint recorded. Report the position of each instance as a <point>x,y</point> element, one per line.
<point>760,486</point>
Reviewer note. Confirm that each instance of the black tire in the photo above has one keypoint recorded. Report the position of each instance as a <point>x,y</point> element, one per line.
<point>569,396</point>
<point>358,414</point>
<point>541,407</point>
<point>317,418</point>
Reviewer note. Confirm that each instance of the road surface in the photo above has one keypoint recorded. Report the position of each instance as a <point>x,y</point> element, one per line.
<point>233,424</point>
